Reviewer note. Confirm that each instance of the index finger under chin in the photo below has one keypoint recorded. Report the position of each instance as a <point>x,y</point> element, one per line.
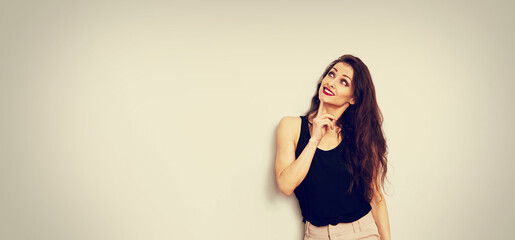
<point>321,109</point>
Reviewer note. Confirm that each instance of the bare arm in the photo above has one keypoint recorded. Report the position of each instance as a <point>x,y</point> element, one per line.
<point>380,212</point>
<point>290,172</point>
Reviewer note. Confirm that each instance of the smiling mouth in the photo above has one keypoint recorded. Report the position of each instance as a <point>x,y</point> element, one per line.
<point>328,92</point>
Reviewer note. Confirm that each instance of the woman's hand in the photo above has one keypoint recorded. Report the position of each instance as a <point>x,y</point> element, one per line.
<point>321,123</point>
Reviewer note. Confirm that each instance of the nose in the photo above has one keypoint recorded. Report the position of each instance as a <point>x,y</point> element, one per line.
<point>332,82</point>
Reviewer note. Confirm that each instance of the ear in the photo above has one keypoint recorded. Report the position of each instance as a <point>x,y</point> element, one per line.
<point>351,101</point>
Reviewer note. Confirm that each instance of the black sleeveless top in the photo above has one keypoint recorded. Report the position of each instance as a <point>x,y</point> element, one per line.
<point>322,194</point>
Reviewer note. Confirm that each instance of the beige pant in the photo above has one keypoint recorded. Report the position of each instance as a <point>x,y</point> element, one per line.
<point>364,228</point>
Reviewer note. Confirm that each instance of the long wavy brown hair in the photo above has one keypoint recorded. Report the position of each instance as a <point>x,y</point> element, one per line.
<point>365,150</point>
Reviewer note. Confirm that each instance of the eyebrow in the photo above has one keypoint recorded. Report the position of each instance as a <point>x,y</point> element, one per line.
<point>336,70</point>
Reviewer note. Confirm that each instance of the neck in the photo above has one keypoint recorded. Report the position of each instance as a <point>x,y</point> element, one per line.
<point>336,111</point>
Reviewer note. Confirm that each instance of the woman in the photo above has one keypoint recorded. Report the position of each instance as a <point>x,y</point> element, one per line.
<point>334,157</point>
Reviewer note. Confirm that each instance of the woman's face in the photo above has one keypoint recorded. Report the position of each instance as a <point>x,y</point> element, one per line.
<point>339,82</point>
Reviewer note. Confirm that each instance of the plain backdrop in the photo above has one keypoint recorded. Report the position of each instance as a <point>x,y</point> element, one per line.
<point>157,119</point>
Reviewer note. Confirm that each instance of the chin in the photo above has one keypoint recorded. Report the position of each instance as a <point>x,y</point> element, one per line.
<point>324,98</point>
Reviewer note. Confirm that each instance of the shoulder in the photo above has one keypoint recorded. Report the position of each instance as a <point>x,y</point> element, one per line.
<point>290,122</point>
<point>289,127</point>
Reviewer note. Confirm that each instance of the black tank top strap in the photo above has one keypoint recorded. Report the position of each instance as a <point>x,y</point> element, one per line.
<point>304,136</point>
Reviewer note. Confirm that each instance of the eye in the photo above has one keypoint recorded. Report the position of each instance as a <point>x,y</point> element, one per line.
<point>330,74</point>
<point>344,82</point>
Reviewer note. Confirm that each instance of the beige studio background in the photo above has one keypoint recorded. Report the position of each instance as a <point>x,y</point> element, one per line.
<point>156,119</point>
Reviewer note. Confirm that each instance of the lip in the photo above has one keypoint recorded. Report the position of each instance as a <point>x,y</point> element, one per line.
<point>327,89</point>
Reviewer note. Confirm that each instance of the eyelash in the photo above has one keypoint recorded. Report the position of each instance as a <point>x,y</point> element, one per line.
<point>332,73</point>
